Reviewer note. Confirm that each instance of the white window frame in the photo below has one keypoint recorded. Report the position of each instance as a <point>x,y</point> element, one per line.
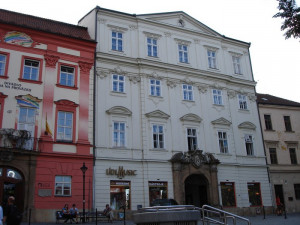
<point>249,141</point>
<point>157,143</point>
<point>152,47</point>
<point>243,104</point>
<point>3,65</point>
<point>118,41</point>
<point>183,53</point>
<point>155,87</point>
<point>191,137</point>
<point>212,58</point>
<point>70,76</point>
<point>217,96</point>
<point>118,83</point>
<point>62,136</point>
<point>63,183</point>
<point>116,140</point>
<point>188,92</point>
<point>33,70</point>
<point>223,142</point>
<point>236,60</point>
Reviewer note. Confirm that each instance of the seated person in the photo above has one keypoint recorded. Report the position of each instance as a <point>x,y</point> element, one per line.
<point>74,213</point>
<point>108,212</point>
<point>66,213</point>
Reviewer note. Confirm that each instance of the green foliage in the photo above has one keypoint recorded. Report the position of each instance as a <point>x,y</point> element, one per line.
<point>289,11</point>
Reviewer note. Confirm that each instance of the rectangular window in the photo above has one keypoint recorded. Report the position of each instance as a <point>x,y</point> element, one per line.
<point>273,155</point>
<point>155,88</point>
<point>118,83</point>
<point>120,194</point>
<point>236,65</point>
<point>211,59</point>
<point>183,53</point>
<point>119,134</point>
<point>158,136</point>
<point>287,123</point>
<point>63,185</point>
<point>192,139</point>
<point>117,41</point>
<point>152,46</point>
<point>249,144</point>
<point>31,70</point>
<point>223,142</point>
<point>217,97</point>
<point>157,190</point>
<point>64,126</point>
<point>228,194</point>
<point>254,194</point>
<point>297,191</point>
<point>67,76</point>
<point>2,64</point>
<point>268,122</point>
<point>242,101</point>
<point>187,92</point>
<point>293,156</point>
<point>27,122</point>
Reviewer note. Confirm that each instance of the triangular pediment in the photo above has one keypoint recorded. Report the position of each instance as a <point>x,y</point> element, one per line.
<point>221,121</point>
<point>158,114</point>
<point>191,117</point>
<point>247,125</point>
<point>119,110</point>
<point>180,19</point>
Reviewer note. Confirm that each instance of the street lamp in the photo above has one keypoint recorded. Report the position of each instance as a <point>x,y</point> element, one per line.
<point>83,169</point>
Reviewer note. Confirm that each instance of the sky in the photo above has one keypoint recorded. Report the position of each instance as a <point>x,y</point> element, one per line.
<point>274,59</point>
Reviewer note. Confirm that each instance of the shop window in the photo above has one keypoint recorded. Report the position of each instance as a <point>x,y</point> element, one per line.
<point>120,194</point>
<point>254,194</point>
<point>157,190</point>
<point>63,185</point>
<point>228,194</point>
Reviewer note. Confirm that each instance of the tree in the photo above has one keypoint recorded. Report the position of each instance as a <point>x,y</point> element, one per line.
<point>289,11</point>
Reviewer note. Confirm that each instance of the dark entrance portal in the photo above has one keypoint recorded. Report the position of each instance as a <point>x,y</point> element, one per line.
<point>196,190</point>
<point>279,192</point>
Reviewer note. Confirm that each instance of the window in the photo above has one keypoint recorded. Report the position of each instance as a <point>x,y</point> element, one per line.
<point>31,70</point>
<point>63,185</point>
<point>158,136</point>
<point>183,53</point>
<point>27,122</point>
<point>273,155</point>
<point>293,155</point>
<point>211,59</point>
<point>157,190</point>
<point>268,122</point>
<point>228,194</point>
<point>155,89</point>
<point>120,194</point>
<point>67,76</point>
<point>249,144</point>
<point>217,97</point>
<point>2,65</point>
<point>242,101</point>
<point>192,139</point>
<point>287,123</point>
<point>236,65</point>
<point>254,194</point>
<point>223,143</point>
<point>152,46</point>
<point>118,83</point>
<point>297,191</point>
<point>187,92</point>
<point>119,134</point>
<point>117,41</point>
<point>65,126</point>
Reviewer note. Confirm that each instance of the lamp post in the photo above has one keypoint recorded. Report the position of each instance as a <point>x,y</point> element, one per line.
<point>83,169</point>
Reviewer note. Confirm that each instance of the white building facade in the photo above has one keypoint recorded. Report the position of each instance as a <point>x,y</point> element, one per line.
<point>176,114</point>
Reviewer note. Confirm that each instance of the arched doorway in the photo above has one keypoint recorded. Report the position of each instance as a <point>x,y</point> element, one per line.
<point>196,190</point>
<point>12,184</point>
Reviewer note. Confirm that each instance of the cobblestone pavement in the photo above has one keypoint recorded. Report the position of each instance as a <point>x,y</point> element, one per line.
<point>291,219</point>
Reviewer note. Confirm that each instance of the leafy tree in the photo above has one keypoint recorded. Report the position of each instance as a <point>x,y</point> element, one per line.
<point>289,11</point>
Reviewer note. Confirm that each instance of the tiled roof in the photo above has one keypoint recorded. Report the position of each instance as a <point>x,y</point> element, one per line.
<point>266,99</point>
<point>45,25</point>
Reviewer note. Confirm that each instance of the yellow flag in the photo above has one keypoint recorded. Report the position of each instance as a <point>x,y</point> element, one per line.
<point>48,130</point>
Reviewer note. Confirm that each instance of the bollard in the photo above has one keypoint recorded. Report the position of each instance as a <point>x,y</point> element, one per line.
<point>96,216</point>
<point>264,212</point>
<point>29,218</point>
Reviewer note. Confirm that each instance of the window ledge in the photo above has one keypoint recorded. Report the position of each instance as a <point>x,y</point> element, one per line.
<point>269,130</point>
<point>224,154</point>
<point>64,142</point>
<point>3,77</point>
<point>30,81</point>
<point>117,52</point>
<point>158,149</point>
<point>185,64</point>
<point>155,96</point>
<point>289,131</point>
<point>66,87</point>
<point>218,105</point>
<point>186,100</point>
<point>244,110</point>
<point>119,94</point>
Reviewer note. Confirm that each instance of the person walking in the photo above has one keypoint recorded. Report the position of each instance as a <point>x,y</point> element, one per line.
<point>1,215</point>
<point>12,215</point>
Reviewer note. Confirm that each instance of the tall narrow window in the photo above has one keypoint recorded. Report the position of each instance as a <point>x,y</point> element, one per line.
<point>2,64</point>
<point>287,123</point>
<point>242,101</point>
<point>31,70</point>
<point>249,144</point>
<point>211,55</point>
<point>67,76</point>
<point>192,139</point>
<point>63,185</point>
<point>117,41</point>
<point>152,46</point>
<point>119,134</point>
<point>254,194</point>
<point>297,191</point>
<point>223,142</point>
<point>65,126</point>
<point>183,53</point>
<point>293,155</point>
<point>217,97</point>
<point>228,194</point>
<point>155,87</point>
<point>236,65</point>
<point>158,136</point>
<point>273,155</point>
<point>118,83</point>
<point>187,92</point>
<point>27,122</point>
<point>268,122</point>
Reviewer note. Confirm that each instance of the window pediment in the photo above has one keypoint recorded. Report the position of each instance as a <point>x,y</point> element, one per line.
<point>182,42</point>
<point>221,121</point>
<point>247,125</point>
<point>152,35</point>
<point>28,100</point>
<point>119,110</point>
<point>157,114</point>
<point>117,28</point>
<point>191,117</point>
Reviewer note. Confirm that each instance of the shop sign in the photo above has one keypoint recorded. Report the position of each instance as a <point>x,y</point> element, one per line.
<point>120,172</point>
<point>157,184</point>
